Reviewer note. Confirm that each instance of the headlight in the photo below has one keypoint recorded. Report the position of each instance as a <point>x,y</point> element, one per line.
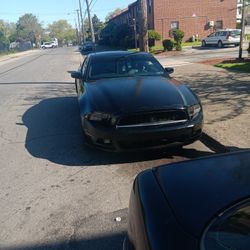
<point>98,116</point>
<point>194,110</point>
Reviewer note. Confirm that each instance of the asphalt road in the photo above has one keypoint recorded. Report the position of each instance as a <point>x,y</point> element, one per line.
<point>54,192</point>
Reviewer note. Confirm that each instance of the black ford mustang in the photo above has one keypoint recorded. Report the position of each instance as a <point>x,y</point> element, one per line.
<point>128,101</point>
<point>201,204</point>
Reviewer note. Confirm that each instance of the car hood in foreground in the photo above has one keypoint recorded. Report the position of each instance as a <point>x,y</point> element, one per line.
<point>137,94</point>
<point>197,190</point>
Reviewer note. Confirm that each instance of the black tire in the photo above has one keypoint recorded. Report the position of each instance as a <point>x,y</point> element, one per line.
<point>76,87</point>
<point>220,44</point>
<point>203,44</point>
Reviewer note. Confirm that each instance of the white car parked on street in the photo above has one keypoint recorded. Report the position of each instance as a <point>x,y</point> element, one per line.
<point>47,45</point>
<point>221,38</point>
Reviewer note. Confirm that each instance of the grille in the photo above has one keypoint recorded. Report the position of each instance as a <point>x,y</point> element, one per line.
<point>153,118</point>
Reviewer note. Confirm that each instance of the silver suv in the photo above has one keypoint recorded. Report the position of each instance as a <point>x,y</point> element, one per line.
<point>223,37</point>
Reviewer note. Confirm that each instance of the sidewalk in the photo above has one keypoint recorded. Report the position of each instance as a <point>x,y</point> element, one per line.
<point>18,54</point>
<point>226,101</point>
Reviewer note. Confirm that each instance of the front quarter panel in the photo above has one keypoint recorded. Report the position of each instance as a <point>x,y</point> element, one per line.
<point>152,224</point>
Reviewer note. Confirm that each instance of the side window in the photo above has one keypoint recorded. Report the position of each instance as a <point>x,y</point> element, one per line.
<point>84,66</point>
<point>230,231</point>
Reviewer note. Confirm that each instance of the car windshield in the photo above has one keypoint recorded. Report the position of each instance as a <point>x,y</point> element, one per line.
<point>124,66</point>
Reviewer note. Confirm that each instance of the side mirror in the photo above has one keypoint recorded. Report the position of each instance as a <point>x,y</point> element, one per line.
<point>76,75</point>
<point>169,70</point>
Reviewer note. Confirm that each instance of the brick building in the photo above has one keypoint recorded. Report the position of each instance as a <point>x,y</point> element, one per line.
<point>194,17</point>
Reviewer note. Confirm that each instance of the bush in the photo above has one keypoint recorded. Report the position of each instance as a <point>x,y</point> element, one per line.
<point>178,36</point>
<point>152,37</point>
<point>178,47</point>
<point>168,45</point>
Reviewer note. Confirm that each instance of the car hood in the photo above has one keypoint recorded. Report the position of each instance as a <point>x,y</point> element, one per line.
<point>197,190</point>
<point>136,94</point>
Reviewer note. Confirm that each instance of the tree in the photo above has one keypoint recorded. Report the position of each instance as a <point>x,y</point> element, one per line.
<point>178,36</point>
<point>8,30</point>
<point>97,24</point>
<point>4,42</point>
<point>152,37</point>
<point>28,28</point>
<point>63,31</point>
<point>112,13</point>
<point>117,35</point>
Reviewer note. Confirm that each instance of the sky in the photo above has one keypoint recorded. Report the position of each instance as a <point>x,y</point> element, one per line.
<point>48,11</point>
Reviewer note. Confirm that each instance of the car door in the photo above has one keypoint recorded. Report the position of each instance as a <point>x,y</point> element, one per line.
<point>216,38</point>
<point>210,38</point>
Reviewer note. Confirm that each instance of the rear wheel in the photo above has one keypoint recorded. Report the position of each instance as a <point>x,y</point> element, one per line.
<point>220,44</point>
<point>203,44</point>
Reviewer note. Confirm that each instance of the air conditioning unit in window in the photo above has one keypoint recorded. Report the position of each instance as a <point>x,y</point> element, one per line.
<point>211,23</point>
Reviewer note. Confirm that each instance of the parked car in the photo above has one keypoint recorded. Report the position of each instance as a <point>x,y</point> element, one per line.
<point>198,204</point>
<point>87,46</point>
<point>48,45</point>
<point>223,37</point>
<point>128,101</point>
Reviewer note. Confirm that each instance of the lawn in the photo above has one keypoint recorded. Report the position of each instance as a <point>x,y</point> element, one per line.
<point>243,66</point>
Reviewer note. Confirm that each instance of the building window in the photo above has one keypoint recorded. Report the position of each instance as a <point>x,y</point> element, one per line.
<point>174,25</point>
<point>219,24</point>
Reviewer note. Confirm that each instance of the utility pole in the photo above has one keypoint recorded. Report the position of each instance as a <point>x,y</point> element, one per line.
<point>79,25</point>
<point>242,34</point>
<point>90,22</point>
<point>143,25</point>
<point>135,32</point>
<point>80,7</point>
<point>77,33</point>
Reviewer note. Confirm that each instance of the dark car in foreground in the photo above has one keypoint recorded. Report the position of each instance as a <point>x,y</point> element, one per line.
<point>198,204</point>
<point>128,101</point>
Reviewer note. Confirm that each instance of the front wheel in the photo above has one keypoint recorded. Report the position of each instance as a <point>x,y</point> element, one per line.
<point>220,44</point>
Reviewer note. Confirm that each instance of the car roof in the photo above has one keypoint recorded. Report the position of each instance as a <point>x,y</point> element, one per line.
<point>117,53</point>
<point>199,189</point>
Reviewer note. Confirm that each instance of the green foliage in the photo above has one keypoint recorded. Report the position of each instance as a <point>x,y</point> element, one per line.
<point>152,37</point>
<point>239,66</point>
<point>178,36</point>
<point>98,25</point>
<point>9,30</point>
<point>28,28</point>
<point>117,35</point>
<point>63,31</point>
<point>178,47</point>
<point>168,45</point>
<point>4,42</point>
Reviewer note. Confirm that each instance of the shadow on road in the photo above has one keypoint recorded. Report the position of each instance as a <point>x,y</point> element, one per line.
<point>54,133</point>
<point>112,241</point>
